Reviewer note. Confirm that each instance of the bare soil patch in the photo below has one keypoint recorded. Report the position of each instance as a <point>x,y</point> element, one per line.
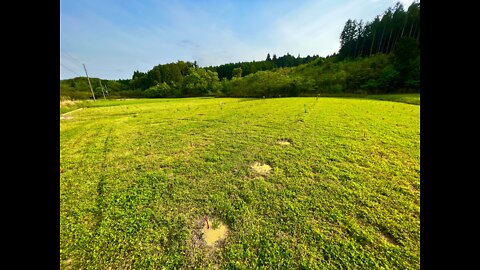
<point>261,169</point>
<point>67,264</point>
<point>389,238</point>
<point>211,234</point>
<point>284,141</point>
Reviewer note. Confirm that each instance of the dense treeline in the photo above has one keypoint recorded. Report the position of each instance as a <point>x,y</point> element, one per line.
<point>181,79</point>
<point>330,76</point>
<point>382,56</point>
<point>382,34</point>
<point>175,80</point>
<point>246,68</point>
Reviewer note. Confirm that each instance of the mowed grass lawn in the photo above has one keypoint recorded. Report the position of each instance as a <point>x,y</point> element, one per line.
<point>138,178</point>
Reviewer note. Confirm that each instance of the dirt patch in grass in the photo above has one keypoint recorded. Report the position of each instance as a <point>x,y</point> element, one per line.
<point>284,142</point>
<point>261,169</point>
<point>214,233</point>
<point>210,235</point>
<point>413,188</point>
<point>67,264</point>
<point>67,117</point>
<point>389,238</point>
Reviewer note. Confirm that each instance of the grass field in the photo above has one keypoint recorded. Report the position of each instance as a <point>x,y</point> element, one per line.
<point>405,98</point>
<point>139,176</point>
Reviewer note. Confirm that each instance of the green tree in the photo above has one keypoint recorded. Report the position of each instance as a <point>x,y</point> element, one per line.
<point>139,81</point>
<point>160,90</point>
<point>347,38</point>
<point>200,82</point>
<point>405,54</point>
<point>237,72</point>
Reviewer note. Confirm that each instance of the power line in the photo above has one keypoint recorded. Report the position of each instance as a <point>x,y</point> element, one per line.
<point>70,70</point>
<point>69,55</point>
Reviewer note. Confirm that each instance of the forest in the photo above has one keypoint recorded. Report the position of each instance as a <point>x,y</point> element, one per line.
<point>375,57</point>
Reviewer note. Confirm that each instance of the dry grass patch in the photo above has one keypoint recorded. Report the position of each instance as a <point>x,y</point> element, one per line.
<point>68,102</point>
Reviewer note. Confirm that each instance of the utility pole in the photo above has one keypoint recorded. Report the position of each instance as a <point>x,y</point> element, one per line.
<point>103,92</point>
<point>89,82</point>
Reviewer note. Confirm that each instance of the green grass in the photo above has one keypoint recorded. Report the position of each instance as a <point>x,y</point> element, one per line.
<point>138,176</point>
<point>405,98</point>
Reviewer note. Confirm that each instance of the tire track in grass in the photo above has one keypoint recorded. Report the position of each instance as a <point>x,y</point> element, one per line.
<point>87,156</point>
<point>100,203</point>
<point>92,250</point>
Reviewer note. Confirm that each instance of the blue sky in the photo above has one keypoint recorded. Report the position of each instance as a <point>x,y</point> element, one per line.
<point>113,38</point>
